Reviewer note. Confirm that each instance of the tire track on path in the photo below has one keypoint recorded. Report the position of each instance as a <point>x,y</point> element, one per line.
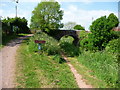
<point>81,84</point>
<point>8,62</point>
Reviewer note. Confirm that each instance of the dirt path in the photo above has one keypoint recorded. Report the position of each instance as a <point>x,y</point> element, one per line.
<point>8,63</point>
<point>77,76</point>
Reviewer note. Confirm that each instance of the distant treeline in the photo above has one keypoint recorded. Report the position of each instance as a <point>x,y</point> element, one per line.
<point>14,26</point>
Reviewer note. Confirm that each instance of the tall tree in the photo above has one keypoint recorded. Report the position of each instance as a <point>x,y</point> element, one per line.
<point>102,30</point>
<point>69,25</point>
<point>79,27</point>
<point>47,16</point>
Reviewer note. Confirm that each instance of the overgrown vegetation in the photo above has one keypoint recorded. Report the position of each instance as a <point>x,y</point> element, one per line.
<point>103,65</point>
<point>67,46</point>
<point>46,70</point>
<point>97,52</point>
<point>14,26</point>
<point>101,32</point>
<point>51,47</point>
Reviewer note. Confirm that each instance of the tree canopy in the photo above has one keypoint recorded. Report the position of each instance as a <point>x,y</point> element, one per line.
<point>102,30</point>
<point>47,16</point>
<point>14,25</point>
<point>79,27</point>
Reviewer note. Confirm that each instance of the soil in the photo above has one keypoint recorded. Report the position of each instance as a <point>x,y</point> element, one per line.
<point>8,62</point>
<point>79,80</point>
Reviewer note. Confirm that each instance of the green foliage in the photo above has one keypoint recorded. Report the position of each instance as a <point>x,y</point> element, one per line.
<point>51,46</point>
<point>66,44</point>
<point>15,25</point>
<point>70,49</point>
<point>85,41</point>
<point>101,31</point>
<point>6,39</point>
<point>86,74</point>
<point>6,28</point>
<point>112,21</point>
<point>58,59</point>
<point>83,35</point>
<point>103,65</point>
<point>112,46</point>
<point>86,44</point>
<point>41,71</point>
<point>47,16</point>
<point>79,27</point>
<point>66,38</point>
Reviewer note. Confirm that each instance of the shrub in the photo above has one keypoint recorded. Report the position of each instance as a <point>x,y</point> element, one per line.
<point>79,27</point>
<point>86,42</point>
<point>112,46</point>
<point>83,35</point>
<point>51,46</point>
<point>101,30</point>
<point>70,49</point>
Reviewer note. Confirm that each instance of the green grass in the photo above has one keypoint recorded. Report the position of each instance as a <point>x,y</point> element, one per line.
<point>99,68</point>
<point>103,65</point>
<point>36,70</point>
<point>48,69</point>
<point>89,78</point>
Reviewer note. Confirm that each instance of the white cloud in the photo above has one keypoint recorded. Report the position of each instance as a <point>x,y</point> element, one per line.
<point>83,17</point>
<point>2,5</point>
<point>1,11</point>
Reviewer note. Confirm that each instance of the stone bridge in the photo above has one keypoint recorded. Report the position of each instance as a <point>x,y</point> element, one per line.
<point>58,34</point>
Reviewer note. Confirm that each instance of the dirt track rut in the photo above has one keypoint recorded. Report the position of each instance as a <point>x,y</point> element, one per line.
<point>8,62</point>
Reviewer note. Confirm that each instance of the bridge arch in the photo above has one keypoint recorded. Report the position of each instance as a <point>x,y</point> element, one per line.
<point>60,33</point>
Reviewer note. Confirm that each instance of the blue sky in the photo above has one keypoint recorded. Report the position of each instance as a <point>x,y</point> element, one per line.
<point>75,11</point>
<point>113,6</point>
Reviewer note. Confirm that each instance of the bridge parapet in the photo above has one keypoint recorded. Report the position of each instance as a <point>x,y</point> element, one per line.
<point>58,34</point>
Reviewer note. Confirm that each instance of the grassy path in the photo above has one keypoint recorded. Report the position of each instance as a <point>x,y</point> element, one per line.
<point>42,71</point>
<point>77,76</point>
<point>87,75</point>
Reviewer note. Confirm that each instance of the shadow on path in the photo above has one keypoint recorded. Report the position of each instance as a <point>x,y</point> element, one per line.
<point>18,41</point>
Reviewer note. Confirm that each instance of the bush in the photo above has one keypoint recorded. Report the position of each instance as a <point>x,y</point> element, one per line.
<point>101,30</point>
<point>79,27</point>
<point>14,25</point>
<point>83,35</point>
<point>51,46</point>
<point>112,46</point>
<point>86,41</point>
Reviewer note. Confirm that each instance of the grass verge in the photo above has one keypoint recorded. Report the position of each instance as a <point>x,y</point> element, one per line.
<point>42,71</point>
<point>86,74</point>
<point>99,68</point>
